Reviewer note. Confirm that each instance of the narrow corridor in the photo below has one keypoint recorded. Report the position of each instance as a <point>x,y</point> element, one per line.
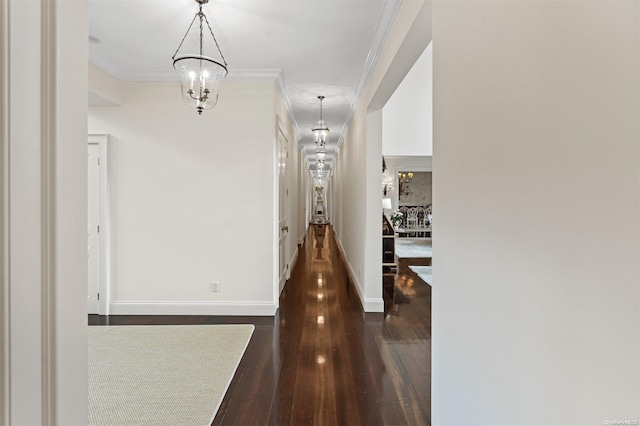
<point>321,360</point>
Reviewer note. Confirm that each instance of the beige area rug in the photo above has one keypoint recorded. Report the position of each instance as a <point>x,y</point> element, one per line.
<point>162,375</point>
<point>424,272</point>
<point>413,248</point>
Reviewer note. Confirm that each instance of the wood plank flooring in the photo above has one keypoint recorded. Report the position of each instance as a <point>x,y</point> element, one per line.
<point>321,360</point>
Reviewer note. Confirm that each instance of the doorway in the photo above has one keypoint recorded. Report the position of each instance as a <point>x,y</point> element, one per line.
<point>93,228</point>
<point>283,207</point>
<point>97,226</point>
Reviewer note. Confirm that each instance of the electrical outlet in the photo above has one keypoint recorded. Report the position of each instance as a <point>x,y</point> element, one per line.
<point>215,286</point>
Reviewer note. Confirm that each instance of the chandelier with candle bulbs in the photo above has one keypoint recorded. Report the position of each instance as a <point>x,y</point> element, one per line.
<point>200,75</point>
<point>320,130</point>
<point>403,179</point>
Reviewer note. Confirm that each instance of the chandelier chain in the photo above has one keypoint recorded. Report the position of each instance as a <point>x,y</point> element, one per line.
<point>200,14</point>
<point>185,36</point>
<point>215,40</point>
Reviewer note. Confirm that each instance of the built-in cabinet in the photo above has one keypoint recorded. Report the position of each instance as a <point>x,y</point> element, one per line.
<point>388,246</point>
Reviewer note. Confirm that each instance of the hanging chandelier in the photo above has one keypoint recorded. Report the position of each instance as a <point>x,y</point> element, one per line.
<point>320,130</point>
<point>405,177</point>
<point>200,75</point>
<point>321,156</point>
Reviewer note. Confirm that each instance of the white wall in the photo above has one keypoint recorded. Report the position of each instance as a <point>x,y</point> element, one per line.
<point>373,217</point>
<point>43,267</point>
<point>350,190</point>
<point>357,200</point>
<point>408,115</point>
<point>358,169</point>
<point>192,200</point>
<point>536,310</point>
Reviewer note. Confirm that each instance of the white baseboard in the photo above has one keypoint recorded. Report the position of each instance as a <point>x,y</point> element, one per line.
<point>294,258</point>
<point>369,304</point>
<point>374,304</point>
<point>244,308</point>
<point>292,263</point>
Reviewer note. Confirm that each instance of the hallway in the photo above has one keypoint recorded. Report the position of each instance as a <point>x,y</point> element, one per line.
<point>321,360</point>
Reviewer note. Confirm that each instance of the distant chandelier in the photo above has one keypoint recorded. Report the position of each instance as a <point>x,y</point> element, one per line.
<point>320,130</point>
<point>321,156</point>
<point>200,76</point>
<point>405,177</point>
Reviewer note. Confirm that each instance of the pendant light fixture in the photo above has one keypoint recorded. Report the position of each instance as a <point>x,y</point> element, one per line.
<point>321,156</point>
<point>405,177</point>
<point>320,130</point>
<point>200,75</point>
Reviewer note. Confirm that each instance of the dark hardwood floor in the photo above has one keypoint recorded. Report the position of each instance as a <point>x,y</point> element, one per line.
<point>321,360</point>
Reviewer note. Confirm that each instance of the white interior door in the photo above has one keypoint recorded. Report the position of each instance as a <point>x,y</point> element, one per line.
<point>93,228</point>
<point>283,158</point>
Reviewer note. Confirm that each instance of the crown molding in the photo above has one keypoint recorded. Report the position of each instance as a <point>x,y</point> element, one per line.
<point>168,74</point>
<point>235,75</point>
<point>281,85</point>
<point>386,17</point>
<point>254,74</point>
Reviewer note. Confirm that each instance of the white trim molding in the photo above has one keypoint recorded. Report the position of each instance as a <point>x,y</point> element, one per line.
<point>292,264</point>
<point>386,17</point>
<point>102,140</point>
<point>5,376</point>
<point>48,152</point>
<point>240,308</point>
<point>281,85</point>
<point>169,74</point>
<point>42,237</point>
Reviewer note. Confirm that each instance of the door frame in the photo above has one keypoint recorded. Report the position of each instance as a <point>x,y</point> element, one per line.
<point>281,139</point>
<point>104,287</point>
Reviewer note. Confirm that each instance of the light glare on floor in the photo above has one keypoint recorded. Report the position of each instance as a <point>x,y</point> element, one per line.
<point>320,319</point>
<point>320,359</point>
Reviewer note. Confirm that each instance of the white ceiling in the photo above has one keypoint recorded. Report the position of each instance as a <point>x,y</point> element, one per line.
<point>312,47</point>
